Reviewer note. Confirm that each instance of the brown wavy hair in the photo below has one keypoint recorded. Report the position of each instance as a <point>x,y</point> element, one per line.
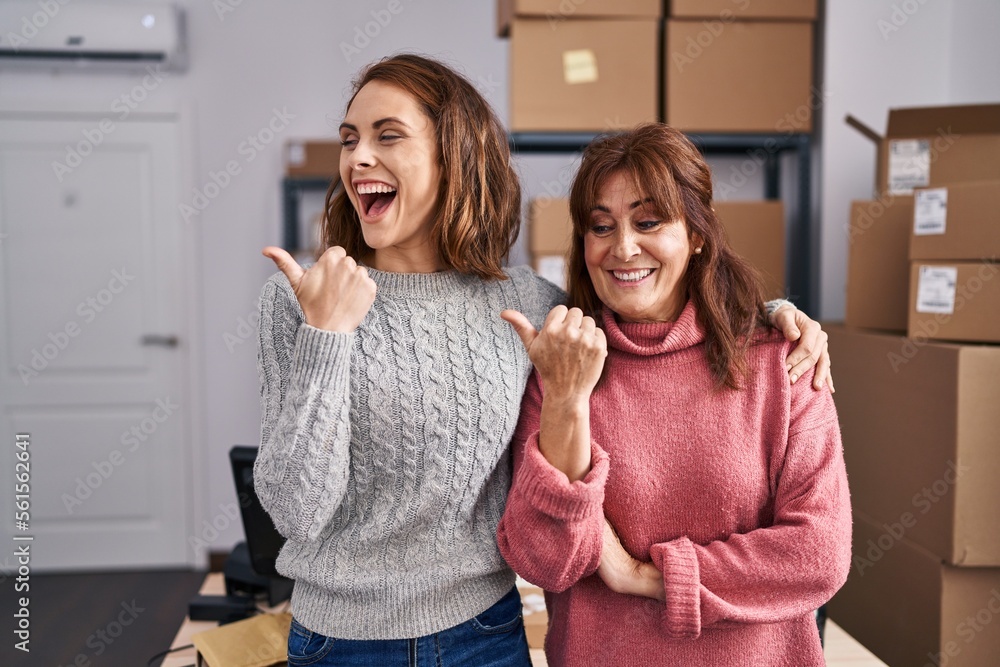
<point>478,214</point>
<point>666,167</point>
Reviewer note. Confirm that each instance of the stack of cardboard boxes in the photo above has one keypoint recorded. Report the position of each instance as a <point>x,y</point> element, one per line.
<point>714,66</point>
<point>709,66</point>
<point>919,417</point>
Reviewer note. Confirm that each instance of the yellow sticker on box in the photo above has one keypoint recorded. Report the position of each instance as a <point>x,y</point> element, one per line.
<point>579,66</point>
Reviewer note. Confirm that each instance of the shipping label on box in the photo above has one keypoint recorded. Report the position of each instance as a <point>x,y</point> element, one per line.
<point>909,165</point>
<point>957,301</point>
<point>932,146</point>
<point>930,213</point>
<point>936,289</point>
<point>959,222</point>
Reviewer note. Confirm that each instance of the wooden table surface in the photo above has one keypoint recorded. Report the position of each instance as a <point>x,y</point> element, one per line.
<point>841,649</point>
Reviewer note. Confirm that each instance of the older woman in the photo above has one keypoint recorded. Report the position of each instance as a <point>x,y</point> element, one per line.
<point>689,506</point>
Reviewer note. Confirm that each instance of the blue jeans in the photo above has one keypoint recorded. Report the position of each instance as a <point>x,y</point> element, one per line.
<point>494,638</point>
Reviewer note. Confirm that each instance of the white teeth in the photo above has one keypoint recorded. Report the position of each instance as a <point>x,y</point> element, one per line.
<point>373,188</point>
<point>632,276</point>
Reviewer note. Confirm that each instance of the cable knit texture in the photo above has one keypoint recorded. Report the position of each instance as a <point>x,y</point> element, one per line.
<point>384,454</point>
<point>739,498</point>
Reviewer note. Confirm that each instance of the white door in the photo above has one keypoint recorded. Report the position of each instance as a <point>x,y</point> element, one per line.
<point>91,349</point>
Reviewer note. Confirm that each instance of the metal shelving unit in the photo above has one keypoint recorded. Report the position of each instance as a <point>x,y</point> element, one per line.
<point>803,239</point>
<point>292,188</point>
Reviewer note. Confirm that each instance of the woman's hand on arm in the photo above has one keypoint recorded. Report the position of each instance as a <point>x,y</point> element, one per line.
<point>335,293</point>
<point>624,574</point>
<point>812,350</point>
<point>568,354</point>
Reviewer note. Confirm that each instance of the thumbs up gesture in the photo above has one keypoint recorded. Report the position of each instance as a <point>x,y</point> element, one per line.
<point>335,293</point>
<point>568,352</point>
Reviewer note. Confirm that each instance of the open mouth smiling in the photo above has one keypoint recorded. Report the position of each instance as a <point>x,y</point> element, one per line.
<point>375,197</point>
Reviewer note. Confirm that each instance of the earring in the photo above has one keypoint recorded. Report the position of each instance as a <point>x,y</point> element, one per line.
<point>697,250</point>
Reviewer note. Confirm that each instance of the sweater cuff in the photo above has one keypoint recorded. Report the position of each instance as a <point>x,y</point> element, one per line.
<point>772,306</point>
<point>678,562</point>
<point>321,357</point>
<point>549,491</point>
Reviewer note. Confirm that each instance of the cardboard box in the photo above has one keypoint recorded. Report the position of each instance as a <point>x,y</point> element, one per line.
<point>550,233</point>
<point>955,301</point>
<point>744,9</point>
<point>536,617</point>
<point>920,423</point>
<point>583,75</point>
<point>932,146</point>
<point>878,271</point>
<point>756,231</point>
<point>312,158</point>
<point>550,226</point>
<point>959,221</point>
<point>738,76</point>
<point>909,609</point>
<point>556,11</point>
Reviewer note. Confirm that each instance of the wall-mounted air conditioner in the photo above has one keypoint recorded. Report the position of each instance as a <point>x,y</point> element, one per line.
<point>73,34</point>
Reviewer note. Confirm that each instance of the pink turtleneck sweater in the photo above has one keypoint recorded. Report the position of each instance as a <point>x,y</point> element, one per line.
<point>739,498</point>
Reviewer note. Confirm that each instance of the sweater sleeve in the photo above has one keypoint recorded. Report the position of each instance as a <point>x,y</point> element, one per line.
<point>551,529</point>
<point>302,466</point>
<point>783,570</point>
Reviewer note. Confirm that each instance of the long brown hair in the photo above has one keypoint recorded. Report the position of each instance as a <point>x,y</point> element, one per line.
<point>667,168</point>
<point>478,213</point>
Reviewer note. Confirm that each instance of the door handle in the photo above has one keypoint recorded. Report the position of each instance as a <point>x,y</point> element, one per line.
<point>161,340</point>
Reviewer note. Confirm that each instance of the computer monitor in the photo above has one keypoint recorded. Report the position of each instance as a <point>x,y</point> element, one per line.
<point>263,539</point>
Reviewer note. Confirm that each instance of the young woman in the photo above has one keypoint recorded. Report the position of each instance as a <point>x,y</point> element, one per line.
<point>390,387</point>
<point>690,505</point>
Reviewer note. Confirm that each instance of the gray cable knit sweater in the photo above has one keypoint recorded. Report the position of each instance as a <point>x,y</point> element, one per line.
<point>384,452</point>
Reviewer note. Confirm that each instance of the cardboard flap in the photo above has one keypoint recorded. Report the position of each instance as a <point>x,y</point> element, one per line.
<point>926,121</point>
<point>863,129</point>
